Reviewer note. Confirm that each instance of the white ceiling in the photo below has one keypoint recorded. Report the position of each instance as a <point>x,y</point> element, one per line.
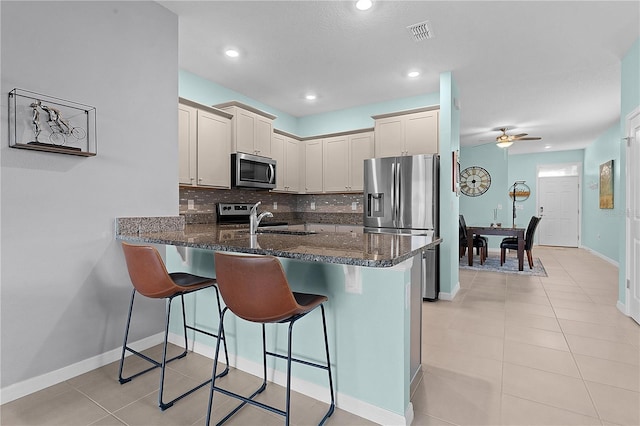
<point>547,68</point>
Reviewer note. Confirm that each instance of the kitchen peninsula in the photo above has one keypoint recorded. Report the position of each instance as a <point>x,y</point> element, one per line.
<point>373,312</point>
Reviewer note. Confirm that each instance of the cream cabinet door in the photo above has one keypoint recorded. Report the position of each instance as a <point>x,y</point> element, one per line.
<point>292,165</point>
<point>336,164</point>
<point>214,160</point>
<point>421,133</point>
<point>360,149</point>
<point>263,134</point>
<point>389,137</point>
<point>277,153</point>
<point>244,130</point>
<point>187,144</point>
<point>313,165</point>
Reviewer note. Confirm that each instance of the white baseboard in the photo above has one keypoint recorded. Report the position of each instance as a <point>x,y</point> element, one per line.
<point>622,307</point>
<point>450,296</point>
<point>344,402</point>
<point>602,256</point>
<point>34,384</point>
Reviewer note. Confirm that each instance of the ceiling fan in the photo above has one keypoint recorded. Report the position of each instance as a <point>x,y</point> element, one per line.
<point>505,141</point>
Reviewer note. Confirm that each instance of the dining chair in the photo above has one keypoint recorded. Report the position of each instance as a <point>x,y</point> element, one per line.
<point>480,243</point>
<point>511,243</point>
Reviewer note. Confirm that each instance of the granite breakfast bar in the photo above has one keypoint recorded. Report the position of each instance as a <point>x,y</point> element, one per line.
<point>373,313</point>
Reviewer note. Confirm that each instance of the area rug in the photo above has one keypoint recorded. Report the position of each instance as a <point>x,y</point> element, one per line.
<point>492,264</point>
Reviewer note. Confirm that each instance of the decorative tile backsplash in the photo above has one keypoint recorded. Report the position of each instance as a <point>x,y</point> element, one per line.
<point>329,208</point>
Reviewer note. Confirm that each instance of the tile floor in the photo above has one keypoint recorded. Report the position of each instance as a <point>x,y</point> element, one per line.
<point>508,350</point>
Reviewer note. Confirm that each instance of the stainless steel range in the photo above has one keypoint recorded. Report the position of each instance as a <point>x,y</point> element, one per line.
<point>237,214</point>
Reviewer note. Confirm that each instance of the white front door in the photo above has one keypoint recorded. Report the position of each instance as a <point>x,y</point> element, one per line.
<point>558,208</point>
<point>633,216</point>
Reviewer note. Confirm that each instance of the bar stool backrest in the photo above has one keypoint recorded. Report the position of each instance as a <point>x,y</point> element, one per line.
<point>255,288</point>
<point>148,274</point>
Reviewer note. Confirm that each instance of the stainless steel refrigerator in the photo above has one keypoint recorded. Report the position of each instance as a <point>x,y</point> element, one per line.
<point>401,196</point>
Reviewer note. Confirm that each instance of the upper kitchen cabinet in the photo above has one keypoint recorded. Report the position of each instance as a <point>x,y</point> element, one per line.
<point>313,160</point>
<point>285,150</point>
<point>407,133</point>
<point>204,145</point>
<point>251,129</point>
<point>343,161</point>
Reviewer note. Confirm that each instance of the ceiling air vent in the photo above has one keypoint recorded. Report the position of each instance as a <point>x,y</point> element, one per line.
<point>420,31</point>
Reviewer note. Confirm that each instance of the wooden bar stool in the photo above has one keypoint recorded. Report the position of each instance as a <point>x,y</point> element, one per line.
<point>255,289</point>
<point>150,278</point>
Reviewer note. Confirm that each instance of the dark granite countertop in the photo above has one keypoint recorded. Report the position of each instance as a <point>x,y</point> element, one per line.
<point>372,250</point>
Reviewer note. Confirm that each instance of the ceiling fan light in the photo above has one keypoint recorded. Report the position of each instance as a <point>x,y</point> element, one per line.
<point>505,144</point>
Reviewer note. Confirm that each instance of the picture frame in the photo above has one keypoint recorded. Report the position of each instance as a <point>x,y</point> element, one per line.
<point>606,185</point>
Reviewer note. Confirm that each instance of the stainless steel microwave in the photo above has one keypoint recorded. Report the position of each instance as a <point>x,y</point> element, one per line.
<point>252,171</point>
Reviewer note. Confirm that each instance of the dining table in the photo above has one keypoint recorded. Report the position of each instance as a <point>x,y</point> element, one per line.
<point>496,230</point>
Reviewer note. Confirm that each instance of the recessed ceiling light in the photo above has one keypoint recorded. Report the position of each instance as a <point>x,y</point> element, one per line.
<point>547,147</point>
<point>310,97</point>
<point>413,74</point>
<point>363,4</point>
<point>232,53</point>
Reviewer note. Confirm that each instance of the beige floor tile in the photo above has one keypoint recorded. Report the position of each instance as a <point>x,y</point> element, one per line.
<point>145,411</point>
<point>613,351</point>
<point>534,321</point>
<point>473,344</point>
<point>616,405</point>
<point>421,419</point>
<point>68,408</point>
<point>457,398</point>
<point>518,411</point>
<point>607,372</point>
<point>594,317</point>
<point>552,389</point>
<point>479,324</point>
<point>109,420</point>
<point>535,299</point>
<point>462,363</point>
<point>546,359</point>
<point>581,299</point>
<point>535,336</point>
<point>604,332</point>
<point>530,308</point>
<point>102,386</point>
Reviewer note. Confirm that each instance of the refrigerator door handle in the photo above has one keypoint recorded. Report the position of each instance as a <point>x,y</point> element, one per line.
<point>393,193</point>
<point>399,212</point>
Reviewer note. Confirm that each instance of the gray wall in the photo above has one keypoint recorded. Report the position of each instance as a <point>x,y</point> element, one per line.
<point>64,287</point>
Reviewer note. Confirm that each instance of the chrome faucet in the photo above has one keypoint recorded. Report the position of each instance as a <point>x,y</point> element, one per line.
<point>255,218</point>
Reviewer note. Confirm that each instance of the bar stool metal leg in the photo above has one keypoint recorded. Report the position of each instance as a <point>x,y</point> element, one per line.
<point>162,365</point>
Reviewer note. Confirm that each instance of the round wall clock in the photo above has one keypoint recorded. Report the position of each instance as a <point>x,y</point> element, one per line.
<point>474,181</point>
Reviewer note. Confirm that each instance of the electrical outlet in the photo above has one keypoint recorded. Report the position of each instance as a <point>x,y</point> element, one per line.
<point>191,204</point>
<point>354,206</point>
<point>519,207</point>
<point>499,206</point>
<point>275,205</point>
<point>313,205</point>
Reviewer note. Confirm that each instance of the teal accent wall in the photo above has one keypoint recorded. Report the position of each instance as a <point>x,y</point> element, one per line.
<point>601,227</point>
<point>629,101</point>
<point>480,210</point>
<point>449,202</point>
<point>505,169</point>
<point>359,117</point>
<point>206,92</point>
